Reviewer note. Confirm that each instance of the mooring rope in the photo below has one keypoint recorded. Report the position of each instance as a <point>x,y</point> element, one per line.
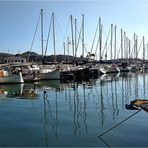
<point>118,124</point>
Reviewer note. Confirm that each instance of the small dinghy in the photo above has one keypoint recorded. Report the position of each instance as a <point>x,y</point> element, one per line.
<point>138,104</point>
<point>132,106</point>
<point>144,107</point>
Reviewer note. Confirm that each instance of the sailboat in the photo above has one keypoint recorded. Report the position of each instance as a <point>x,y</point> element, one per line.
<point>45,72</point>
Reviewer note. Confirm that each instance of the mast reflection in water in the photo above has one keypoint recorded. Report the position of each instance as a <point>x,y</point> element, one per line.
<point>54,113</point>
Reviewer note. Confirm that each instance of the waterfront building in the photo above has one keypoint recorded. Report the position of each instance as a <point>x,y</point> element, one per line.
<point>15,60</point>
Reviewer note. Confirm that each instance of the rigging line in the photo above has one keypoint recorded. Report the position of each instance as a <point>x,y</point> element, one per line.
<point>58,26</point>
<point>105,47</point>
<point>97,45</point>
<point>79,32</point>
<point>87,34</point>
<point>45,19</point>
<point>132,47</point>
<point>139,47</point>
<point>48,35</point>
<point>84,45</point>
<point>34,37</point>
<point>104,142</point>
<point>67,29</point>
<point>118,124</point>
<point>94,37</point>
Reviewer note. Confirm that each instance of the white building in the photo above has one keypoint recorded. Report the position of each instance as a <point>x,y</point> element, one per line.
<point>15,60</point>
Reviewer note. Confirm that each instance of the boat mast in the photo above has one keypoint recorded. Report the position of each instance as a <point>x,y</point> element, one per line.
<point>115,43</point>
<point>100,37</point>
<point>121,44</point>
<point>124,44</point>
<point>134,45</point>
<point>64,51</point>
<point>68,48</point>
<point>129,48</point>
<point>72,35</point>
<point>143,48</point>
<point>83,36</point>
<point>54,38</point>
<point>42,39</point>
<point>111,40</point>
<point>75,39</point>
<point>147,49</point>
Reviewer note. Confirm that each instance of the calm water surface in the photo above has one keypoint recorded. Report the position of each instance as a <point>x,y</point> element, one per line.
<point>74,114</point>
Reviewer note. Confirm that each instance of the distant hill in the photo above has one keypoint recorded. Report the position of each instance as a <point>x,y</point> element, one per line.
<point>6,54</point>
<point>3,56</point>
<point>34,57</point>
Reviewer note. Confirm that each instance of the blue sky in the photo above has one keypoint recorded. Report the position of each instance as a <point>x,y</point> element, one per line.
<point>19,18</point>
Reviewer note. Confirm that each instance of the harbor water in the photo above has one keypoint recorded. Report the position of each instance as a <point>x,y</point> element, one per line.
<point>74,114</point>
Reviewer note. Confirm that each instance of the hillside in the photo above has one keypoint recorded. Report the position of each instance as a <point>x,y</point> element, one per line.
<point>34,57</point>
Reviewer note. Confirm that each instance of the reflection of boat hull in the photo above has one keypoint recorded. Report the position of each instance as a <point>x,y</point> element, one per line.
<point>11,79</point>
<point>50,84</point>
<point>13,90</point>
<point>30,78</point>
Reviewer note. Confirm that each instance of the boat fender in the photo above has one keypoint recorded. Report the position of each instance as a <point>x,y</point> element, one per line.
<point>1,73</point>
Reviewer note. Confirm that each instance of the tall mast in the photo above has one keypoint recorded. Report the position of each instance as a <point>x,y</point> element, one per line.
<point>129,48</point>
<point>115,44</point>
<point>54,38</point>
<point>83,35</point>
<point>68,48</point>
<point>134,45</point>
<point>111,40</point>
<point>121,43</point>
<point>100,37</point>
<point>147,49</point>
<point>42,39</point>
<point>72,35</point>
<point>124,44</point>
<point>75,38</point>
<point>143,49</point>
<point>64,51</point>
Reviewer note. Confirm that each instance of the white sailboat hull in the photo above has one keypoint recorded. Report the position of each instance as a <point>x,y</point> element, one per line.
<point>109,69</point>
<point>122,69</point>
<point>52,75</point>
<point>11,79</point>
<point>145,66</point>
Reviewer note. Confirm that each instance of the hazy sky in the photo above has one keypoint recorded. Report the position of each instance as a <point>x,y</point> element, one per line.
<point>18,20</point>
